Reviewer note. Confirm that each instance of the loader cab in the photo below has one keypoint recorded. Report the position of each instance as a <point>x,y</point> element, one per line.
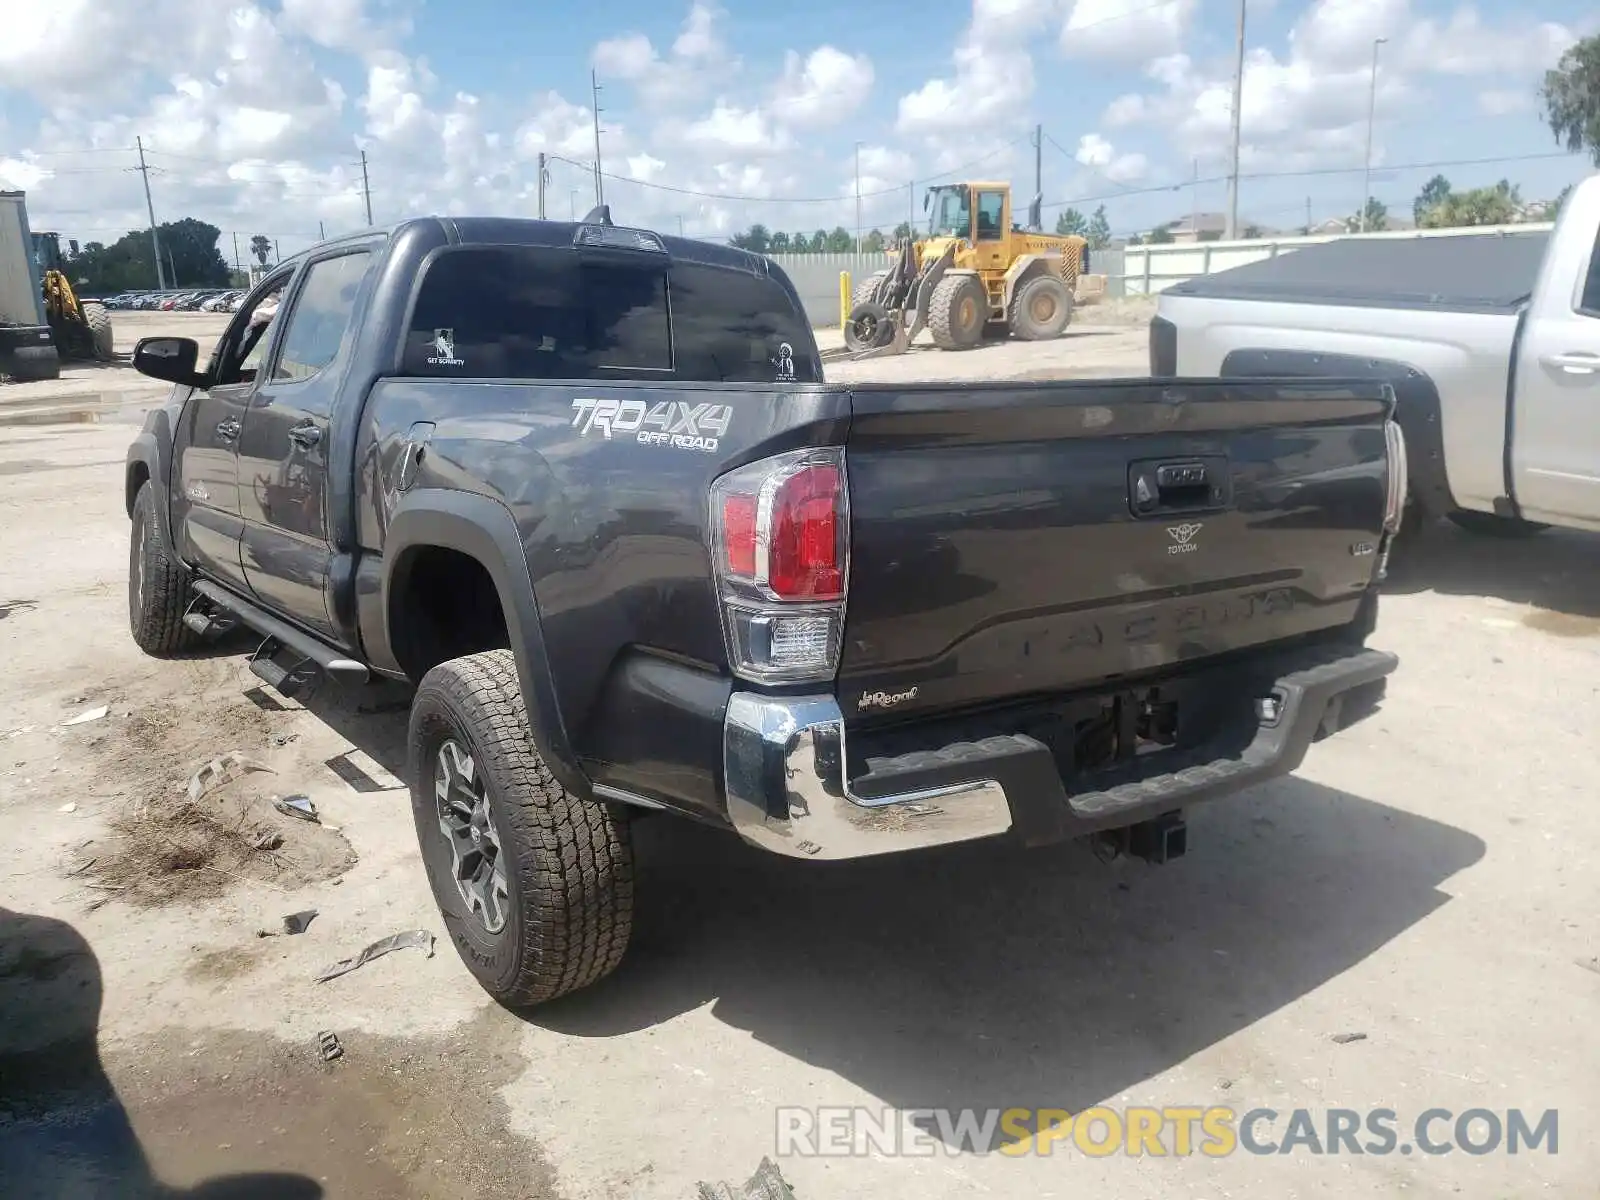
<point>978,212</point>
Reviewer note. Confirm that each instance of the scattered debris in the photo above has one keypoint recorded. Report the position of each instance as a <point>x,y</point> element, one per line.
<point>1344,1039</point>
<point>328,1047</point>
<point>283,739</point>
<point>220,771</point>
<point>298,806</point>
<point>767,1183</point>
<point>68,807</point>
<point>1225,1084</point>
<point>87,715</point>
<point>419,939</point>
<point>299,922</point>
<point>268,839</point>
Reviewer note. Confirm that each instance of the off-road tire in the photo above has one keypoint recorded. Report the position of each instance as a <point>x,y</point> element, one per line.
<point>862,292</point>
<point>1493,524</point>
<point>98,318</point>
<point>957,312</point>
<point>159,589</point>
<point>569,860</point>
<point>1042,291</point>
<point>875,320</point>
<point>31,364</point>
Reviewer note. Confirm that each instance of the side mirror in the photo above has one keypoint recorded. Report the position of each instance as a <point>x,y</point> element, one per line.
<point>170,359</point>
<point>927,198</point>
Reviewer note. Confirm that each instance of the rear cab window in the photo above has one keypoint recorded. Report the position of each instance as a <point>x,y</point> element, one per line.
<point>541,312</point>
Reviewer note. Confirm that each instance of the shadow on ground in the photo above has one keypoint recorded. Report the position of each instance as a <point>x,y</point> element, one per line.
<point>989,976</point>
<point>1557,571</point>
<point>63,1130</point>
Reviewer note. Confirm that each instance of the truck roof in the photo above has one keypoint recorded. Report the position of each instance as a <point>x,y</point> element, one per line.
<point>1491,272</point>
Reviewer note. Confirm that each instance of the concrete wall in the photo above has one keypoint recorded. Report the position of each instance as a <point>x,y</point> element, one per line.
<point>1146,270</point>
<point>816,278</point>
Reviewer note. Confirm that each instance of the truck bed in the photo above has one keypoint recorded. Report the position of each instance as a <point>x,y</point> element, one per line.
<point>1480,273</point>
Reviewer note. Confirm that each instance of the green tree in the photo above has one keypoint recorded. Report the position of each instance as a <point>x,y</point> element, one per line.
<point>757,239</point>
<point>839,241</point>
<point>1160,236</point>
<point>1072,223</point>
<point>799,243</point>
<point>873,243</point>
<point>1571,95</point>
<point>1433,194</point>
<point>819,241</point>
<point>1253,232</point>
<point>780,243</point>
<point>1377,217</point>
<point>902,231</point>
<point>188,248</point>
<point>1099,230</point>
<point>1497,205</point>
<point>1556,205</point>
<point>261,246</point>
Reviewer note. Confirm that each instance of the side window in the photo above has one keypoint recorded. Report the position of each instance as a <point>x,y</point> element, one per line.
<point>239,353</point>
<point>991,210</point>
<point>319,322</point>
<point>514,312</point>
<point>733,327</point>
<point>1589,302</point>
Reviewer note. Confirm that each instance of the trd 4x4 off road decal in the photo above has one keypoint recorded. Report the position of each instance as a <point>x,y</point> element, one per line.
<point>675,423</point>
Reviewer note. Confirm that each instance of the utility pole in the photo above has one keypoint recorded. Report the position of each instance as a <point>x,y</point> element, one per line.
<point>366,188</point>
<point>594,91</point>
<point>1194,204</point>
<point>680,224</point>
<point>322,233</point>
<point>150,207</point>
<point>541,185</point>
<point>858,197</point>
<point>238,264</point>
<point>277,255</point>
<point>911,206</point>
<point>1232,231</point>
<point>172,270</point>
<point>1036,209</point>
<point>572,202</point>
<point>1372,108</point>
<point>1308,214</point>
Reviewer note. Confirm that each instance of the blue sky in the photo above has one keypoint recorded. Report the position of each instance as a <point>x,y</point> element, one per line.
<point>255,110</point>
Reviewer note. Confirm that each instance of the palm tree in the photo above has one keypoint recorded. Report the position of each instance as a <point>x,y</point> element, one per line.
<point>261,246</point>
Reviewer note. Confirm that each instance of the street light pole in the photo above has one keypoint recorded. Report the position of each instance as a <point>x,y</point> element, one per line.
<point>1232,230</point>
<point>1372,108</point>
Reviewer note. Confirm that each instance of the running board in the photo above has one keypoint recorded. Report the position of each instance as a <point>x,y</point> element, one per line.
<point>305,647</point>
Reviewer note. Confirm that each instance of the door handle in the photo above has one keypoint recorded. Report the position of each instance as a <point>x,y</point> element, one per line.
<point>306,435</point>
<point>1575,363</point>
<point>229,429</point>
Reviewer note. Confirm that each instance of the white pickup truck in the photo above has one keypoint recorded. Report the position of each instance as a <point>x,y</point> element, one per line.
<point>1491,341</point>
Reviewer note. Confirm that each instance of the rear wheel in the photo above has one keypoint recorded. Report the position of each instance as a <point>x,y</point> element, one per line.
<point>1494,525</point>
<point>98,318</point>
<point>535,884</point>
<point>29,364</point>
<point>1040,309</point>
<point>957,312</point>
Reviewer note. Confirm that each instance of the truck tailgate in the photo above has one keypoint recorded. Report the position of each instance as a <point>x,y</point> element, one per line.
<point>1018,539</point>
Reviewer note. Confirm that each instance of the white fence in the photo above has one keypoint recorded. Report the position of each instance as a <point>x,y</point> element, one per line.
<point>1150,269</point>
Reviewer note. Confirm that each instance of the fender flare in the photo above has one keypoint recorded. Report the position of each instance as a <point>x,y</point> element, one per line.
<point>1024,266</point>
<point>1416,410</point>
<point>484,528</point>
<point>147,456</point>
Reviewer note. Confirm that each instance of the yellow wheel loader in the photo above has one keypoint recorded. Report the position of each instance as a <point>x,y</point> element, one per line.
<point>974,274</point>
<point>81,329</point>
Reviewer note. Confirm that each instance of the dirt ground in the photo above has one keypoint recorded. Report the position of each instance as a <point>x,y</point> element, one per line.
<point>1428,879</point>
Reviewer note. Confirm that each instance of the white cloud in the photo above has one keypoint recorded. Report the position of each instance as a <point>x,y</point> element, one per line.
<point>729,129</point>
<point>1101,157</point>
<point>992,81</point>
<point>1126,31</point>
<point>823,89</point>
<point>560,127</point>
<point>697,58</point>
<point>1498,102</point>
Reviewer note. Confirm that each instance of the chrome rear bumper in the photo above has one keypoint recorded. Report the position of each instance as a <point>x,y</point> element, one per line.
<point>784,763</point>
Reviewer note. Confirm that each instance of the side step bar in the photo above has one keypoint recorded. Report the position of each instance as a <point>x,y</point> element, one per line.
<point>305,649</point>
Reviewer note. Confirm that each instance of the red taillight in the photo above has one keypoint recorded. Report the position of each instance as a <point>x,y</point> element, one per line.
<point>739,534</point>
<point>804,559</point>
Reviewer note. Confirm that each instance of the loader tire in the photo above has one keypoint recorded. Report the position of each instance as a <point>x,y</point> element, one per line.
<point>1040,309</point>
<point>957,312</point>
<point>862,292</point>
<point>98,318</point>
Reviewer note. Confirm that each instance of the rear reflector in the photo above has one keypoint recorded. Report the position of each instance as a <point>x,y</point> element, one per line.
<point>780,542</point>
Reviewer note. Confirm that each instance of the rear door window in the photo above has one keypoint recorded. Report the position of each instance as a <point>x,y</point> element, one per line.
<point>516,312</point>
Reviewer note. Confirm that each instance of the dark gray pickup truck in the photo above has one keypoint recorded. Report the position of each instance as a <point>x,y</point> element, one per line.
<point>586,487</point>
